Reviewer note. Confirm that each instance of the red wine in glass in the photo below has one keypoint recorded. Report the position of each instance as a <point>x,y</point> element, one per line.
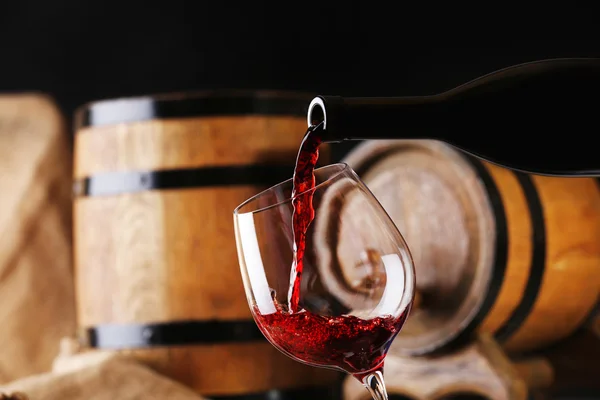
<point>353,344</point>
<point>301,311</point>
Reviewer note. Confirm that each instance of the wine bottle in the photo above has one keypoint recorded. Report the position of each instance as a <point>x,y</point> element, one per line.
<point>540,117</point>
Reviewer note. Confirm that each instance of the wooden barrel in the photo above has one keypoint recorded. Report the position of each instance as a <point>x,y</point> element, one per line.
<point>157,274</point>
<point>495,251</point>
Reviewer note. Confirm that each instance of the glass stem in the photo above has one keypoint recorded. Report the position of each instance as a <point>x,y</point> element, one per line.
<point>375,385</point>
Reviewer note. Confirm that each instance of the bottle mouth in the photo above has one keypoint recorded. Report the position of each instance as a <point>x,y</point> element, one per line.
<point>316,113</point>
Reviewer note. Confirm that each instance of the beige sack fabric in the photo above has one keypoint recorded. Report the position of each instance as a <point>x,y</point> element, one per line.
<point>36,280</point>
<point>13,396</point>
<point>99,376</point>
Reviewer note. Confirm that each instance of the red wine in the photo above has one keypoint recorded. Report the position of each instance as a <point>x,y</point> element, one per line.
<point>304,213</point>
<point>353,344</point>
<point>536,117</point>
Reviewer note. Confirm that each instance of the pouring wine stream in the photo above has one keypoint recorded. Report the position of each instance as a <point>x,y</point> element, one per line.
<point>304,213</point>
<point>302,195</point>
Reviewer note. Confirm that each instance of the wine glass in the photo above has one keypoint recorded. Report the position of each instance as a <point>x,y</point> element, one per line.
<point>357,283</point>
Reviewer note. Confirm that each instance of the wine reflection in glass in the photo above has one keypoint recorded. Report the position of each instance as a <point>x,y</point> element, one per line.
<point>357,283</point>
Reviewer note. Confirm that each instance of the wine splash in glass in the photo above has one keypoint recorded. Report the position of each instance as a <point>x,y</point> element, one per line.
<point>327,291</point>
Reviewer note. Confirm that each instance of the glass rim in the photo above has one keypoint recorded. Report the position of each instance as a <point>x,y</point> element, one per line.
<point>344,167</point>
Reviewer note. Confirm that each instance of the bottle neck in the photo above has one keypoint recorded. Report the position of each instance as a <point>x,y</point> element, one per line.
<point>363,118</point>
<point>538,117</point>
<point>544,96</point>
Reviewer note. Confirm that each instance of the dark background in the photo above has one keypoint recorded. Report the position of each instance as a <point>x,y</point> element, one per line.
<point>80,51</point>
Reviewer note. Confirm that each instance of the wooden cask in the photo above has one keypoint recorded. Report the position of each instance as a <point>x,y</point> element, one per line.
<point>157,180</point>
<point>37,300</point>
<point>495,251</point>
